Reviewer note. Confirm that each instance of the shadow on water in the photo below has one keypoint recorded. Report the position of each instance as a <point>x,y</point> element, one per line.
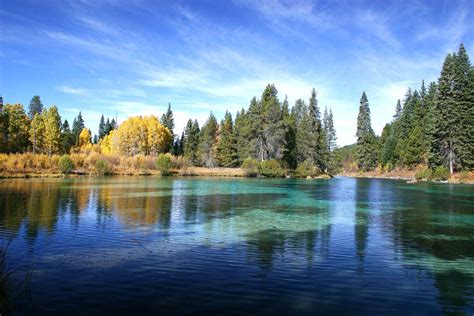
<point>158,230</point>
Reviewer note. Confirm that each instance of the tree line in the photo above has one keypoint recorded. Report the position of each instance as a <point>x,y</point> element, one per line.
<point>267,130</point>
<point>434,127</point>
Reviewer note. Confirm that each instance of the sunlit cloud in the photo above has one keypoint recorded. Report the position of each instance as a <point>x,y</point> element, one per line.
<point>72,90</point>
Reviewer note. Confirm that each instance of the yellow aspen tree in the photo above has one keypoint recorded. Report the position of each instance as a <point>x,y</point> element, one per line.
<point>84,138</point>
<point>52,130</point>
<point>37,133</point>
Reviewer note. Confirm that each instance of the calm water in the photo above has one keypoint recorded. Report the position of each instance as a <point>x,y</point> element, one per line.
<point>241,246</point>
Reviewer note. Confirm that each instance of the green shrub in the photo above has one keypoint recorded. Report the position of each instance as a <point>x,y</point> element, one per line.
<point>164,164</point>
<point>306,169</point>
<point>102,167</point>
<point>440,173</point>
<point>65,164</point>
<point>424,174</point>
<point>271,168</point>
<point>250,167</point>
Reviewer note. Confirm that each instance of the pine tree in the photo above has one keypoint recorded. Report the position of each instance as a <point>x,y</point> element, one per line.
<point>387,145</point>
<point>208,142</point>
<point>319,153</point>
<point>468,122</point>
<point>329,130</point>
<point>77,127</point>
<point>247,131</point>
<point>113,125</point>
<point>168,121</point>
<point>398,110</point>
<point>36,106</point>
<point>366,154</point>
<point>102,127</point>
<point>450,131</point>
<point>464,131</point>
<point>269,126</point>
<point>290,154</point>
<point>191,143</point>
<point>304,131</point>
<point>181,144</point>
<point>226,151</point>
<point>67,138</point>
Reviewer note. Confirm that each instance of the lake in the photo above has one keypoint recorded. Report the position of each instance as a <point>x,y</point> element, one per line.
<point>130,245</point>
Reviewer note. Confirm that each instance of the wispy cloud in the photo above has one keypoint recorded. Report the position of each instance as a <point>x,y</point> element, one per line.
<point>72,90</point>
<point>133,57</point>
<point>276,11</point>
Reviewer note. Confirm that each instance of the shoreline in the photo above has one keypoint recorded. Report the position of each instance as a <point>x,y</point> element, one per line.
<point>224,173</point>
<point>406,175</point>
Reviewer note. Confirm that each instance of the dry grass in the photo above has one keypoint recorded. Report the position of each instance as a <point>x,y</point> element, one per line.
<point>39,165</point>
<point>408,174</point>
<point>211,172</point>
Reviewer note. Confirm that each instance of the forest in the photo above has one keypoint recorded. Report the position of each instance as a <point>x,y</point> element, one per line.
<point>432,130</point>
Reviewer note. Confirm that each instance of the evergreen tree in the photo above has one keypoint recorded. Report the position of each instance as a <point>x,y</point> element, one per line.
<point>226,151</point>
<point>304,131</point>
<point>181,144</point>
<point>208,142</point>
<point>107,126</point>
<point>468,122</point>
<point>191,143</point>
<point>102,127</point>
<point>387,144</point>
<point>178,145</point>
<point>245,132</point>
<point>319,153</point>
<point>329,130</point>
<point>291,152</point>
<point>270,126</point>
<point>450,130</point>
<point>168,121</point>
<point>36,106</point>
<point>67,138</point>
<point>113,125</point>
<point>77,127</point>
<point>366,154</point>
<point>398,110</point>
<point>3,129</point>
<point>464,131</point>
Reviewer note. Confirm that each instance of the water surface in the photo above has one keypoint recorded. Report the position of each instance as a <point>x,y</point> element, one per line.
<point>124,245</point>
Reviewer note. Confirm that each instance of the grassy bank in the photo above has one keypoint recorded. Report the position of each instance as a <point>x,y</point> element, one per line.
<point>91,164</point>
<point>418,174</point>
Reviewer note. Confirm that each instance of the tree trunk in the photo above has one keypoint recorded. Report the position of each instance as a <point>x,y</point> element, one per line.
<point>451,162</point>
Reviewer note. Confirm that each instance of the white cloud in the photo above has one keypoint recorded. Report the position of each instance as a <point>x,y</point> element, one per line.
<point>72,90</point>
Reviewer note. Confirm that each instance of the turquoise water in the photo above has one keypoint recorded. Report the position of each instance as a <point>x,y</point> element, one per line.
<point>129,245</point>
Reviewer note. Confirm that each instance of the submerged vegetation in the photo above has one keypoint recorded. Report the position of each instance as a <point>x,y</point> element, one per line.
<point>432,132</point>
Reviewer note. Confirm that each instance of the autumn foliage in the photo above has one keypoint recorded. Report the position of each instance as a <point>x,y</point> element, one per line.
<point>137,136</point>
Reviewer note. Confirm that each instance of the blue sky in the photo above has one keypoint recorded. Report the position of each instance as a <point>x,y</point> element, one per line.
<point>133,57</point>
